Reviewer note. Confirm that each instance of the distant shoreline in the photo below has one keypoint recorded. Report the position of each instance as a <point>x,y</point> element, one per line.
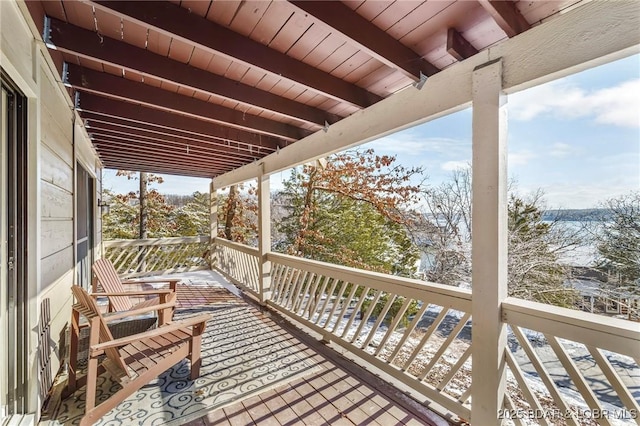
<point>576,215</point>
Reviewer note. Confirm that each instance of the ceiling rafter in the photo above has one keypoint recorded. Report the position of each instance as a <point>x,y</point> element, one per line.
<point>458,46</point>
<point>368,37</point>
<point>177,22</point>
<point>124,162</point>
<point>85,79</point>
<point>162,145</point>
<point>71,39</point>
<point>238,83</point>
<point>94,123</point>
<point>506,15</point>
<point>153,152</point>
<point>144,116</point>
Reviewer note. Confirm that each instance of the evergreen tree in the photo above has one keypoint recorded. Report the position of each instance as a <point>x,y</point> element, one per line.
<point>350,210</point>
<point>193,217</point>
<point>167,216</point>
<point>121,221</point>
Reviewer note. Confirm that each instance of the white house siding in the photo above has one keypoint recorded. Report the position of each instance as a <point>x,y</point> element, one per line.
<point>51,185</point>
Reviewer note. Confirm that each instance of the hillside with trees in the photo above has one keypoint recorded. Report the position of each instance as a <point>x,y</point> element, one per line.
<point>158,218</point>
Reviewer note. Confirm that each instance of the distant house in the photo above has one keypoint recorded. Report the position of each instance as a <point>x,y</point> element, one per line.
<point>596,299</point>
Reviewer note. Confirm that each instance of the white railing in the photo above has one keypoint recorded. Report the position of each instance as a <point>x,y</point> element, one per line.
<point>407,328</point>
<point>156,256</point>
<point>239,263</point>
<point>562,366</point>
<point>571,367</point>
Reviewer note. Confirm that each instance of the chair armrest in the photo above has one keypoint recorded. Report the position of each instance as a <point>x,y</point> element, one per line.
<point>174,326</point>
<point>133,312</point>
<point>132,293</point>
<point>151,281</point>
<point>172,282</point>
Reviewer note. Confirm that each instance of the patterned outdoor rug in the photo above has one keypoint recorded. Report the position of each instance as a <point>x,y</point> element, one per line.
<point>243,353</point>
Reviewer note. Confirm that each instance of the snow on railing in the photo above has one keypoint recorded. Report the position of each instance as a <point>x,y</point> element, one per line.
<point>562,366</point>
<point>239,263</point>
<point>156,256</point>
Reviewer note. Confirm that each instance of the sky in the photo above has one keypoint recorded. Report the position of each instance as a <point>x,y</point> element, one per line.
<point>577,139</point>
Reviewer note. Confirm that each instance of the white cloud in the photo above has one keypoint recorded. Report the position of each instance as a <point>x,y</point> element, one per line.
<point>413,143</point>
<point>562,150</point>
<point>451,166</point>
<point>521,158</point>
<point>618,105</point>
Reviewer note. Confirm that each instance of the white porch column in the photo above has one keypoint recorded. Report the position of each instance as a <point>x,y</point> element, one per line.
<point>213,224</point>
<point>264,234</point>
<point>489,251</point>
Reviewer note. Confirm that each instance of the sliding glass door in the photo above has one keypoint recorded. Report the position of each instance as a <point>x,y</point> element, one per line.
<point>13,268</point>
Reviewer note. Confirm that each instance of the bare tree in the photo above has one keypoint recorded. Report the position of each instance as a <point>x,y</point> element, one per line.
<point>239,214</point>
<point>535,246</point>
<point>444,229</point>
<point>617,238</point>
<point>535,249</point>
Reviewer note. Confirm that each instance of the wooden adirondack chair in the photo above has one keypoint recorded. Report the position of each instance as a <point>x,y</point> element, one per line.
<point>133,360</point>
<point>121,300</point>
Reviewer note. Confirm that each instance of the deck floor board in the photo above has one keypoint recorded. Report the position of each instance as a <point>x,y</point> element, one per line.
<point>337,392</point>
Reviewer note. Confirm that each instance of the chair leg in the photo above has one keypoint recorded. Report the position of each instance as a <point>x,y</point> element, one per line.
<point>94,413</point>
<point>166,315</point>
<point>195,346</point>
<point>73,352</point>
<point>92,371</point>
<point>173,299</point>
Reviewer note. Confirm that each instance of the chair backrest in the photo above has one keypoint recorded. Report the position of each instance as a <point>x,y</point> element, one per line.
<point>89,309</point>
<point>108,278</point>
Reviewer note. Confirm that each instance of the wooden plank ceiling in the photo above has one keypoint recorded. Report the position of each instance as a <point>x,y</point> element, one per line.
<point>198,88</point>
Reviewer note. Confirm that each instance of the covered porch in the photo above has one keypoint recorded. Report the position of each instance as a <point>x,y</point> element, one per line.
<point>366,362</point>
<point>237,91</point>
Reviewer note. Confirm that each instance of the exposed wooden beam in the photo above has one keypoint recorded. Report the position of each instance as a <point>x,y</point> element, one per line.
<point>126,163</point>
<point>369,37</point>
<point>458,46</point>
<point>178,22</point>
<point>506,15</point>
<point>149,144</point>
<point>104,84</point>
<point>144,116</point>
<point>94,122</point>
<point>141,150</point>
<point>87,44</point>
<point>570,45</point>
<point>127,149</point>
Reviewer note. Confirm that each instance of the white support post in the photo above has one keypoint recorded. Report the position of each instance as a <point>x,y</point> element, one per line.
<point>264,235</point>
<point>489,251</point>
<point>213,224</point>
